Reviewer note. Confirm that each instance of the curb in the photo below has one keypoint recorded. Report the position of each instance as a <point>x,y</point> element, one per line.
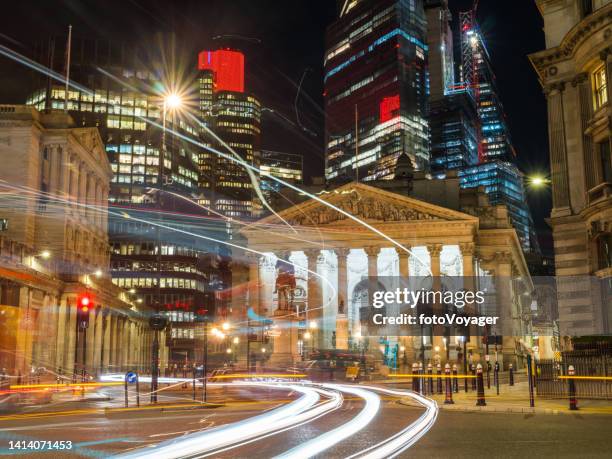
<point>112,413</point>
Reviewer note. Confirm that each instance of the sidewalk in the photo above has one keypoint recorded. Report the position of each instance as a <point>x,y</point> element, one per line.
<point>515,399</point>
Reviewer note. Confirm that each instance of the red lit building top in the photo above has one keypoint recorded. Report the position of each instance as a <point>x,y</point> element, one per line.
<point>389,108</point>
<point>227,67</point>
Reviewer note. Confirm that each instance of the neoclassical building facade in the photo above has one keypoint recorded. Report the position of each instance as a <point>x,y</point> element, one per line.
<point>575,71</point>
<point>54,250</point>
<point>330,254</point>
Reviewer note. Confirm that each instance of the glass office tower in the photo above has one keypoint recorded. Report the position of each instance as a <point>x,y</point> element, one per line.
<point>375,89</point>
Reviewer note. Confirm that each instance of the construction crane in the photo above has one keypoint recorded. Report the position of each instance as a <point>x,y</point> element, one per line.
<point>470,56</point>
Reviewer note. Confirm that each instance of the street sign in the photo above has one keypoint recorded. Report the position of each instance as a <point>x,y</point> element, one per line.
<point>131,377</point>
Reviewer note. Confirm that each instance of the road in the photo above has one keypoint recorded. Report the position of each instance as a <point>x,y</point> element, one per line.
<point>349,420</point>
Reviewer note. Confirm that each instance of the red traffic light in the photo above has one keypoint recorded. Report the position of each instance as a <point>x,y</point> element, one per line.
<point>84,302</point>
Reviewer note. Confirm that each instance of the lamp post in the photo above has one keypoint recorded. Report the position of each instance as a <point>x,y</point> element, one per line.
<point>158,322</point>
<point>205,363</point>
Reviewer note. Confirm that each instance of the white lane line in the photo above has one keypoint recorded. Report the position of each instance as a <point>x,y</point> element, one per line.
<point>401,441</point>
<point>329,439</point>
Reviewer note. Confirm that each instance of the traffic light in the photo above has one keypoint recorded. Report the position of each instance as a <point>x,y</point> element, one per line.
<point>83,306</point>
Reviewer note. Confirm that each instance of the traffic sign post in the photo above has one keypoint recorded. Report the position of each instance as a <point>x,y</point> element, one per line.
<point>131,377</point>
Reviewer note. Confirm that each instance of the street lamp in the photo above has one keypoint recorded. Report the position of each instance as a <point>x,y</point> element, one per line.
<point>537,181</point>
<point>45,254</point>
<point>173,101</point>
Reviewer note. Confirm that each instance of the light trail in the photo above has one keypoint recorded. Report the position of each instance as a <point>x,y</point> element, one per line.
<point>401,441</point>
<point>327,440</point>
<point>276,420</point>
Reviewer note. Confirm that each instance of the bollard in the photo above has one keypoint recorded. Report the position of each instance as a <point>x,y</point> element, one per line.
<point>430,378</point>
<point>496,376</point>
<point>455,379</point>
<point>571,388</point>
<point>125,389</point>
<point>439,368</point>
<point>530,377</point>
<point>473,369</point>
<point>193,384</point>
<point>511,374</point>
<point>448,400</point>
<point>480,396</point>
<point>421,388</point>
<point>415,378</point>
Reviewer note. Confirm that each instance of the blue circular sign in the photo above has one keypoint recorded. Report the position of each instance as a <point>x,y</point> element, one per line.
<point>131,377</point>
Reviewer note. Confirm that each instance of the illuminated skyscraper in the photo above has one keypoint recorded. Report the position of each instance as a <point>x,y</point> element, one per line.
<point>235,117</point>
<point>478,78</point>
<point>466,118</point>
<point>375,89</point>
<point>452,112</point>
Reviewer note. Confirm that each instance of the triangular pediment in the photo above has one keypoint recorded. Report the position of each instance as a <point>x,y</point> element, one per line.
<point>367,203</point>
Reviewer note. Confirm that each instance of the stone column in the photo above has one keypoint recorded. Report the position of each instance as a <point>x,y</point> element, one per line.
<point>97,354</point>
<point>342,255</point>
<point>54,159</point>
<point>372,253</point>
<point>591,172</point>
<point>503,287</point>
<point>91,346</point>
<point>434,257</point>
<point>558,149</point>
<point>99,206</point>
<point>71,336</point>
<point>343,301</point>
<point>315,311</point>
<point>64,172</point>
<point>60,346</point>
<point>116,353</point>
<point>80,182</point>
<point>314,293</point>
<point>125,343</point>
<point>104,211</point>
<point>106,345</point>
<point>404,258</point>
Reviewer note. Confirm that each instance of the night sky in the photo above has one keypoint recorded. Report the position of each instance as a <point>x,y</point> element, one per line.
<point>282,40</point>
